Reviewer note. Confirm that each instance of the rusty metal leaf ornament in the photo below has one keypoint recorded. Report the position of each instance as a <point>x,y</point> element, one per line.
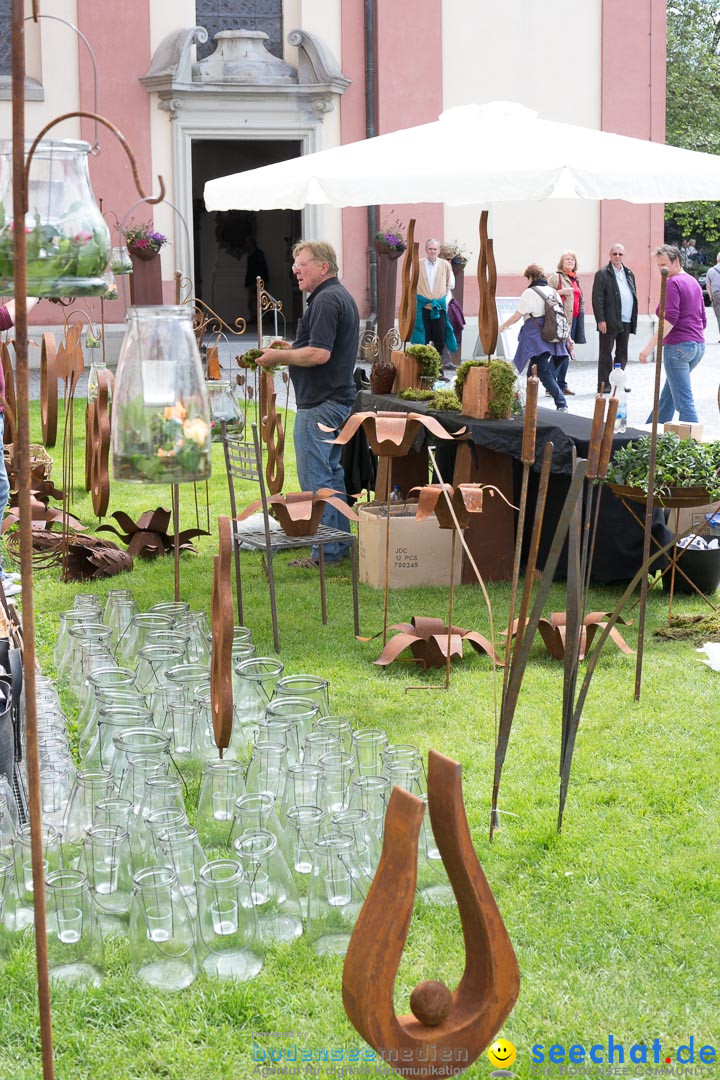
<point>97,446</point>
<point>221,697</point>
<point>48,389</point>
<point>10,404</point>
<point>429,641</point>
<point>300,512</point>
<point>148,536</point>
<point>455,1027</point>
<point>390,434</point>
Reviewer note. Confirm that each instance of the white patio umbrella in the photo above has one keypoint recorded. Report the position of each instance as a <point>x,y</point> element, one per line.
<point>476,154</point>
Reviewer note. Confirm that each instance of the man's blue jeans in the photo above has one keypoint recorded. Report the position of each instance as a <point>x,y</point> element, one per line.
<point>319,464</point>
<point>677,396</point>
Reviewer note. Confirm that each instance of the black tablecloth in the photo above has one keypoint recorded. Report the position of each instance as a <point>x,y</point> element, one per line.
<point>618,547</point>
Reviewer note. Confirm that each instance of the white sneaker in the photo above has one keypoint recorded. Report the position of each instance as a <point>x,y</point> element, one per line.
<point>11,589</point>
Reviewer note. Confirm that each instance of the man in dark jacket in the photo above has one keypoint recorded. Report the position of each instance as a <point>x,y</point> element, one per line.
<point>615,305</point>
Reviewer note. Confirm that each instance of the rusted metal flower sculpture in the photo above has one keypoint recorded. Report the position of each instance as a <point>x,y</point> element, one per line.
<point>300,513</point>
<point>390,434</point>
<point>433,643</point>
<point>553,632</point>
<point>148,537</point>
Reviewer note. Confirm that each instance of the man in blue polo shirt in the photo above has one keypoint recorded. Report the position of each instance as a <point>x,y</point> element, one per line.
<point>322,361</point>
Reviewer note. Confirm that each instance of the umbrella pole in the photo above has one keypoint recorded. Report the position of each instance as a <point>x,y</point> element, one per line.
<point>23,466</point>
<point>651,483</point>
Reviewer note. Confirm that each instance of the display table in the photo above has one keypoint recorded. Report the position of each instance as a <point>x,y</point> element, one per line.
<point>490,454</point>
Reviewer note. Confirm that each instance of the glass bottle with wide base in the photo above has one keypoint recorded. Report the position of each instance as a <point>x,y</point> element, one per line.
<point>74,940</point>
<point>228,940</point>
<point>162,935</point>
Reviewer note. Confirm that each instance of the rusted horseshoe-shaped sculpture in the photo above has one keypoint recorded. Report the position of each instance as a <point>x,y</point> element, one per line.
<point>447,1029</point>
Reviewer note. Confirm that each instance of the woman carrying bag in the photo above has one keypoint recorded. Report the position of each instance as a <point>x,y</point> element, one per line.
<point>567,283</point>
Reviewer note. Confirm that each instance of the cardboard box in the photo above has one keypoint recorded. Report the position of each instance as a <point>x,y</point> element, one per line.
<point>686,431</point>
<point>695,518</point>
<point>419,550</point>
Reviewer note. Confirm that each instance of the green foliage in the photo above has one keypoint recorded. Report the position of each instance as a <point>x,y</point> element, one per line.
<point>428,358</point>
<point>56,254</point>
<point>679,463</point>
<point>693,102</point>
<point>414,393</point>
<point>502,385</point>
<point>446,401</point>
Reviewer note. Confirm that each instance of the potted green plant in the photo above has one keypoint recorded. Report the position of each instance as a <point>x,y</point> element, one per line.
<point>143,241</point>
<point>455,253</point>
<point>686,472</point>
<point>486,389</point>
<point>428,363</point>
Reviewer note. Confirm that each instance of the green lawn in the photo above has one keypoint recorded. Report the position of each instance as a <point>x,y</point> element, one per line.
<point>615,923</point>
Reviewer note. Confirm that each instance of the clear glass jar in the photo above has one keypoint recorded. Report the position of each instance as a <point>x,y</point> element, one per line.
<point>433,885</point>
<point>301,711</point>
<point>136,740</point>
<point>119,611</point>
<point>272,889</point>
<point>7,905</point>
<point>255,685</point>
<point>83,629</point>
<point>68,242</point>
<point>252,812</point>
<point>154,662</point>
<point>8,827</point>
<point>187,677</point>
<point>303,826</point>
<point>318,743</point>
<point>357,823</point>
<point>368,747</point>
<point>74,938</point>
<point>228,939</point>
<point>67,619</point>
<point>173,609</point>
<point>116,596</point>
<point>173,638</point>
<point>56,782</point>
<point>146,844</point>
<point>371,793</point>
<point>221,398</point>
<point>195,625</point>
<point>97,367</point>
<point>161,414</point>
<point>179,847</point>
<point>120,261</point>
<point>113,721</point>
<point>337,725</point>
<point>106,862</point>
<point>302,786</point>
<point>407,775</point>
<point>133,639</point>
<point>313,687</point>
<point>88,789</point>
<point>335,895</point>
<point>22,858</point>
<point>338,767</point>
<point>103,681</point>
<point>162,935</point>
<point>221,787</point>
<point>267,769</point>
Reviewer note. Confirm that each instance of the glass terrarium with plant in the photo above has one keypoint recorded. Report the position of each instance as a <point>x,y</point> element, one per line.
<point>68,241</point>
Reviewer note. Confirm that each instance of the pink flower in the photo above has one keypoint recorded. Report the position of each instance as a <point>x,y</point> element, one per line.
<point>82,237</point>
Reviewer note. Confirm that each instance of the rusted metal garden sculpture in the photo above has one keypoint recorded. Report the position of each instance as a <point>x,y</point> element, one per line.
<point>447,1030</point>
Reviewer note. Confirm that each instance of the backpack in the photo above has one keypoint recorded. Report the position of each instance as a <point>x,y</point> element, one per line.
<point>556,326</point>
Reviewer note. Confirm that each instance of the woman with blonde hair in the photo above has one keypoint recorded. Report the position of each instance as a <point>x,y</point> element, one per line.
<point>567,283</point>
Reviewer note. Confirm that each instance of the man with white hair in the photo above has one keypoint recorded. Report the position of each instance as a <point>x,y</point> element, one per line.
<point>434,283</point>
<point>712,284</point>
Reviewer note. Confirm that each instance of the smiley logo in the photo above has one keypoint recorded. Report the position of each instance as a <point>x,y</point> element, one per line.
<point>501,1053</point>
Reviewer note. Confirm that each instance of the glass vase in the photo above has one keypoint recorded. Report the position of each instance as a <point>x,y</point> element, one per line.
<point>313,687</point>
<point>228,938</point>
<point>74,939</point>
<point>106,862</point>
<point>161,415</point>
<point>336,894</point>
<point>162,935</point>
<point>7,905</point>
<point>68,242</point>
<point>120,261</point>
<point>303,826</point>
<point>24,879</point>
<point>272,889</point>
<point>222,785</point>
<point>88,789</point>
<point>133,639</point>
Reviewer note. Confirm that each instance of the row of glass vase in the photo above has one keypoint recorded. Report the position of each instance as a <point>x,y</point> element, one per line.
<point>292,840</point>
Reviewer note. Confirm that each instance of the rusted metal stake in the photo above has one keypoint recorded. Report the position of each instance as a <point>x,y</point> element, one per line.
<point>23,470</point>
<point>651,483</point>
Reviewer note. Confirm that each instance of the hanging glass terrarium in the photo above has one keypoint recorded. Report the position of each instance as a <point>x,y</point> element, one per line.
<point>68,242</point>
<point>161,417</point>
<point>120,261</point>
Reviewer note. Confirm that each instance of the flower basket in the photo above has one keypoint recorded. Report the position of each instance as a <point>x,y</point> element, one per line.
<point>144,254</point>
<point>383,248</point>
<point>40,461</point>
